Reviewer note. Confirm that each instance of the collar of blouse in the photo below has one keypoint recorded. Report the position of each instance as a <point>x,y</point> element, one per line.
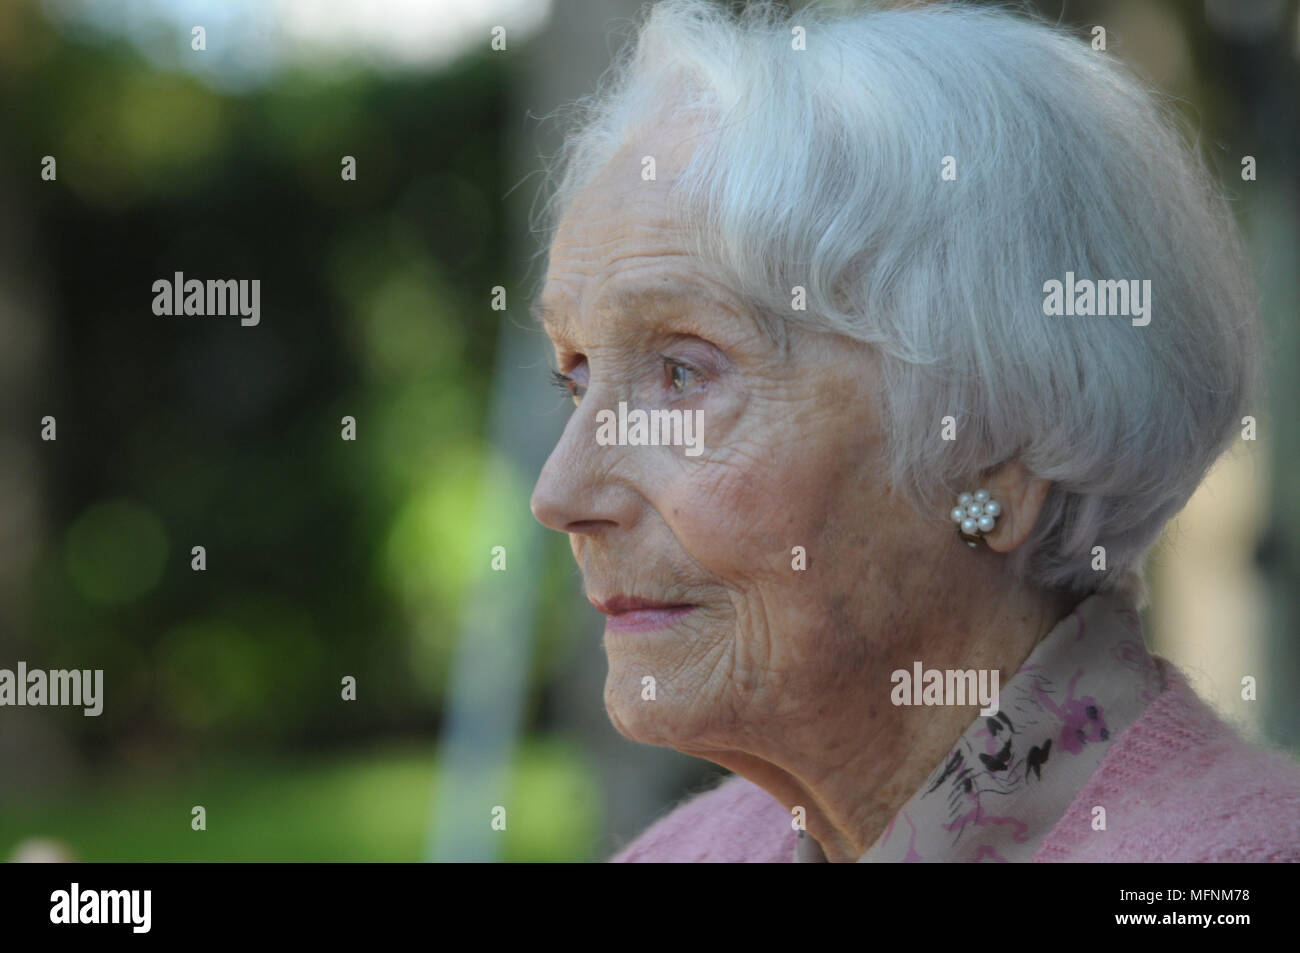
<point>1011,776</point>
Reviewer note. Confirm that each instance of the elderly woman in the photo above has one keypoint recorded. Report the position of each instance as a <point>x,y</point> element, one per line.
<point>959,324</point>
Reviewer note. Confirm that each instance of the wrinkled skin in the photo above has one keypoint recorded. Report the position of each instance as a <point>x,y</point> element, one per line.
<point>780,675</point>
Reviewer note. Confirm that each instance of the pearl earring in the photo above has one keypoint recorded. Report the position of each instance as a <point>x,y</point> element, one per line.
<point>975,514</point>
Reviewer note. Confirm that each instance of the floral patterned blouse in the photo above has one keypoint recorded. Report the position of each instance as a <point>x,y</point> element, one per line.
<point>1011,776</point>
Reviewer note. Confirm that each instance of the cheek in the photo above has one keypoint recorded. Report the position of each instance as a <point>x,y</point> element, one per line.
<point>740,515</point>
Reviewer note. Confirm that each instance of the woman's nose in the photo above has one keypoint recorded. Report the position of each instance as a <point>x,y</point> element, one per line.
<point>584,486</point>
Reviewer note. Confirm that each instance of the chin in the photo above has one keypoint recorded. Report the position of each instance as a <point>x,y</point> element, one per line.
<point>671,720</point>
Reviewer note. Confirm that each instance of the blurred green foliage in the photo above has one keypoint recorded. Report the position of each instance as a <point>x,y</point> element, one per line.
<point>369,806</point>
<point>325,558</point>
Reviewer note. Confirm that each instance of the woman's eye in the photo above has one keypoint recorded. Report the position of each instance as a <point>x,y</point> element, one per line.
<point>679,378</point>
<point>567,384</point>
<point>680,375</point>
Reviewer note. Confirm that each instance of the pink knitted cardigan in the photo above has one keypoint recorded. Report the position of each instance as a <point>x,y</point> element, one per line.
<point>1178,785</point>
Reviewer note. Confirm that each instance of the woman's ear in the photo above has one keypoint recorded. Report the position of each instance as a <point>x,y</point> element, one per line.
<point>1021,496</point>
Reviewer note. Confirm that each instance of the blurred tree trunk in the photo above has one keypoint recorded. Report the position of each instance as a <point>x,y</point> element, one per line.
<point>33,754</point>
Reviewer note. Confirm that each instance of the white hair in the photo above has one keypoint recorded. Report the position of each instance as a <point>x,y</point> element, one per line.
<point>821,168</point>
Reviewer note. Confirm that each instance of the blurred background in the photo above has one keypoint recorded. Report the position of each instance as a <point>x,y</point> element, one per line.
<point>478,671</point>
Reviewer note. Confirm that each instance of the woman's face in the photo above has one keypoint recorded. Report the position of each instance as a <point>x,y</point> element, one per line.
<point>761,651</point>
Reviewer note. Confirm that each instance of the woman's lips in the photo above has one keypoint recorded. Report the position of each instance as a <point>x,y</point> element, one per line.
<point>629,614</point>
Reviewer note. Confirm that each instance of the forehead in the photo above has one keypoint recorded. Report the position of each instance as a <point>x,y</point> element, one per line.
<point>617,247</point>
<point>556,314</point>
